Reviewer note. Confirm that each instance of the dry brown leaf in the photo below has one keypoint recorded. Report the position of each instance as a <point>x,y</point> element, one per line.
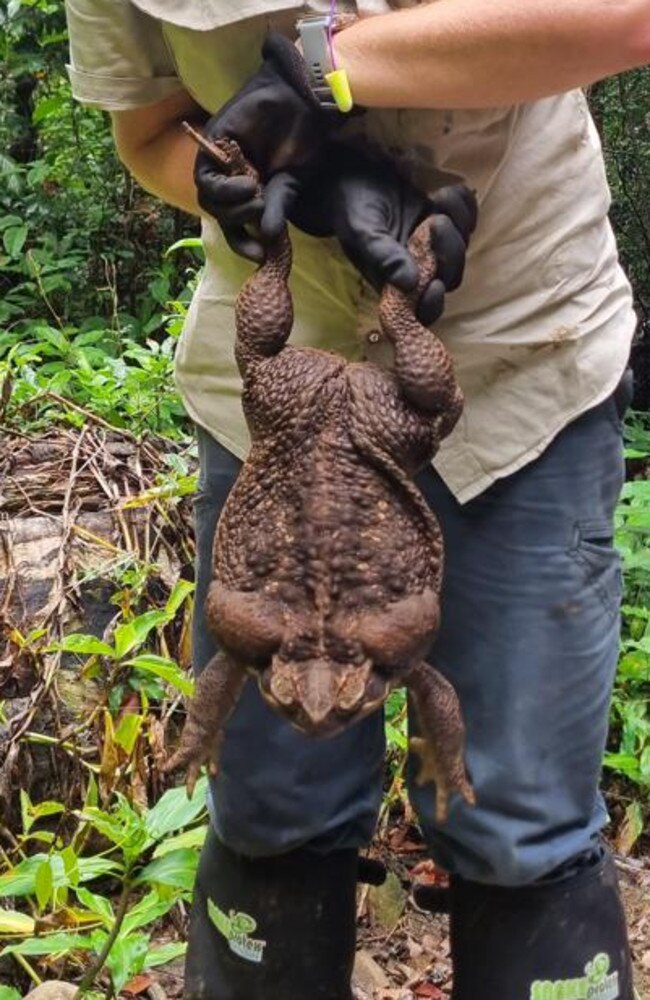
<point>630,829</point>
<point>110,758</point>
<point>429,991</point>
<point>138,985</point>
<point>429,873</point>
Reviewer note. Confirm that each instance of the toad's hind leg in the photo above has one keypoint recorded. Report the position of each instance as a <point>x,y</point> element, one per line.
<point>422,364</point>
<point>264,308</point>
<point>216,693</point>
<point>441,746</point>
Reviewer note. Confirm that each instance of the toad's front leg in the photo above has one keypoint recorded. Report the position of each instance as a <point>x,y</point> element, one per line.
<point>216,693</point>
<point>441,746</point>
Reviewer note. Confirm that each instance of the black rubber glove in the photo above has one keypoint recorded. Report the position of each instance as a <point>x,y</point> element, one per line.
<point>364,201</point>
<point>278,123</point>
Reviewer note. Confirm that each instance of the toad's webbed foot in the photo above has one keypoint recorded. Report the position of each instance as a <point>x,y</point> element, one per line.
<point>217,692</point>
<point>441,746</point>
<point>193,753</point>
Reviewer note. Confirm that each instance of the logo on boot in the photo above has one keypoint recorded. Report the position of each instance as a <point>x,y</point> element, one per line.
<point>598,983</point>
<point>237,928</point>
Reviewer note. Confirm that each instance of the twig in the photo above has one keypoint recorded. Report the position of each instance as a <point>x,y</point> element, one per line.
<point>15,432</point>
<point>89,977</point>
<point>208,147</point>
<point>103,543</point>
<point>87,413</point>
<point>8,835</point>
<point>39,281</point>
<point>33,975</point>
<point>398,777</point>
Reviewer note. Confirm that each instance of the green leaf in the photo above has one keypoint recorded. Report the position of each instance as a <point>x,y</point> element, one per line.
<point>46,107</point>
<point>182,590</point>
<point>21,881</point>
<point>149,908</point>
<point>106,823</point>
<point>44,883</point>
<point>644,766</point>
<point>48,808</point>
<point>86,645</point>
<point>123,826</point>
<point>167,670</point>
<point>25,807</point>
<point>14,239</point>
<point>50,335</point>
<point>131,634</point>
<point>15,924</point>
<point>10,220</point>
<point>9,993</point>
<point>96,904</point>
<point>193,838</point>
<point>128,731</point>
<point>126,958</point>
<point>49,944</point>
<point>189,243</point>
<point>70,864</point>
<point>163,954</point>
<point>626,763</point>
<point>31,812</point>
<point>174,810</point>
<point>178,869</point>
<point>92,793</point>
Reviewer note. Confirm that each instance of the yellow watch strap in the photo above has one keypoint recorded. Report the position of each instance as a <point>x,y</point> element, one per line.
<point>339,84</point>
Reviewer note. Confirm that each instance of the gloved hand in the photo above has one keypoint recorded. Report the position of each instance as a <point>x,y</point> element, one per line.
<point>364,201</point>
<point>278,122</point>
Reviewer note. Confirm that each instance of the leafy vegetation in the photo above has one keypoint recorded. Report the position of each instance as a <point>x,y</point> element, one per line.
<point>620,108</point>
<point>96,879</point>
<point>629,753</point>
<point>147,859</point>
<point>91,306</point>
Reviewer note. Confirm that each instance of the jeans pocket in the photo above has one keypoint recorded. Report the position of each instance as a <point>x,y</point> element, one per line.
<point>594,551</point>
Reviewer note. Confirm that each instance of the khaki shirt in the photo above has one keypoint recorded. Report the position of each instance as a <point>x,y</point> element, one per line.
<point>540,329</point>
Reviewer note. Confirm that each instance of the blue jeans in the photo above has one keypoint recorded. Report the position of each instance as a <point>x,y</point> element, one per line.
<point>529,639</point>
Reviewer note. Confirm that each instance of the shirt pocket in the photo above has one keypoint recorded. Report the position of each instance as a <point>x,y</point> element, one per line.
<point>205,15</point>
<point>213,61</point>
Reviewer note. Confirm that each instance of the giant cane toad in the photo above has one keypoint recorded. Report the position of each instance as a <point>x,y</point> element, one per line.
<point>327,560</point>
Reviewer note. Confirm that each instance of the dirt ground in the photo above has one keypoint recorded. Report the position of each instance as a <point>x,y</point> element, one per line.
<point>411,961</point>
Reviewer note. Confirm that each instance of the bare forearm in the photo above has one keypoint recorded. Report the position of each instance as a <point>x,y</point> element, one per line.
<point>154,147</point>
<point>165,168</point>
<point>471,54</point>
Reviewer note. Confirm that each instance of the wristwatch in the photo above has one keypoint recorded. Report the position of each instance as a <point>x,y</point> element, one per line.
<point>313,31</point>
<point>329,83</point>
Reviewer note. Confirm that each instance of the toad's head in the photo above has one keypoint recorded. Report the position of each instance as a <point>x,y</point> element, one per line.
<point>322,696</point>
